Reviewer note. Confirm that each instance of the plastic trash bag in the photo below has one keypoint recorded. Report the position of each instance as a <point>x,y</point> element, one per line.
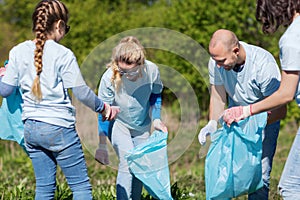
<point>149,163</point>
<point>233,163</point>
<point>11,125</point>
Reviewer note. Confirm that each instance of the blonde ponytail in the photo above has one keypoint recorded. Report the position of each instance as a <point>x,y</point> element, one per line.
<point>116,77</point>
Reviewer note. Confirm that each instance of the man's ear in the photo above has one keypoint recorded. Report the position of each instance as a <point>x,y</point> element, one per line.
<point>236,50</point>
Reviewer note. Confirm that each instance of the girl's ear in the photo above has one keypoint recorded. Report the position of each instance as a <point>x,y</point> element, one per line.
<point>58,31</point>
<point>60,26</point>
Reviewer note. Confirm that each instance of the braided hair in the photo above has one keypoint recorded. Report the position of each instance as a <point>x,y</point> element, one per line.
<point>45,15</point>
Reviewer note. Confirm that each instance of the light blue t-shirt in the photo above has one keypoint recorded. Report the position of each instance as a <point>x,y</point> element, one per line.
<point>60,71</point>
<point>133,96</point>
<point>259,77</point>
<point>289,45</point>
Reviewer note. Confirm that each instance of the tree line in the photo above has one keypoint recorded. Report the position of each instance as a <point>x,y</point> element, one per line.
<point>94,22</point>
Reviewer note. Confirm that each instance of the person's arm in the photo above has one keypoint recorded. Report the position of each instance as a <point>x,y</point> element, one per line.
<point>5,89</point>
<point>155,103</point>
<point>88,97</point>
<point>284,95</point>
<point>101,154</point>
<point>217,102</point>
<point>216,107</point>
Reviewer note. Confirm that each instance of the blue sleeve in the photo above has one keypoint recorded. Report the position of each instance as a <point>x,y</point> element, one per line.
<point>88,97</point>
<point>105,127</point>
<point>155,103</point>
<point>5,89</point>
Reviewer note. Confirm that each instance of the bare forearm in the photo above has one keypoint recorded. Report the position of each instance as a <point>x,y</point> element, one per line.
<point>216,109</point>
<point>282,96</point>
<point>217,102</point>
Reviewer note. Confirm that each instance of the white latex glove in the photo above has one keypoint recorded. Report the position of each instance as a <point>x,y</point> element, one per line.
<point>211,127</point>
<point>101,154</point>
<point>158,125</point>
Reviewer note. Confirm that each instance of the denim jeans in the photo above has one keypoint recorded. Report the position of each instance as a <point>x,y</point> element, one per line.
<point>289,184</point>
<point>270,135</point>
<point>124,139</point>
<point>49,145</point>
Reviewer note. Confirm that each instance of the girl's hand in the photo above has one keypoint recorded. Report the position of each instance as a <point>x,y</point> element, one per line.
<point>109,112</point>
<point>2,71</point>
<point>158,125</point>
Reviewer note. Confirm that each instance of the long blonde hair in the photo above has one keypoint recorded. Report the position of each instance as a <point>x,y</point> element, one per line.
<point>130,51</point>
<point>46,13</point>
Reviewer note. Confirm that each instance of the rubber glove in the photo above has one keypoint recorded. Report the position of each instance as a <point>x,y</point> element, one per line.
<point>236,114</point>
<point>101,154</point>
<point>211,127</point>
<point>109,112</point>
<point>158,125</point>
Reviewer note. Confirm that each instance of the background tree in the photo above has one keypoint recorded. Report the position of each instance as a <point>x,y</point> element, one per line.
<point>94,21</point>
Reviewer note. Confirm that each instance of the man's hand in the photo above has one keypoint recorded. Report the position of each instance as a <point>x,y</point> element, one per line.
<point>158,125</point>
<point>236,114</point>
<point>211,127</point>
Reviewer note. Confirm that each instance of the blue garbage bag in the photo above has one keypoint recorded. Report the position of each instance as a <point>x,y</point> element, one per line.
<point>233,163</point>
<point>11,125</point>
<point>149,163</point>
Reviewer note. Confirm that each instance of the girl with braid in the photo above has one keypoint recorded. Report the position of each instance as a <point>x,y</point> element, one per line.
<point>132,83</point>
<point>45,70</point>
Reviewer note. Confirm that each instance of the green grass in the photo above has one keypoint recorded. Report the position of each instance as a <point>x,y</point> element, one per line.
<point>187,174</point>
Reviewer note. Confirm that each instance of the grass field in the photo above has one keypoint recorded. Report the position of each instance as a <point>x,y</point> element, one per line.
<point>186,173</point>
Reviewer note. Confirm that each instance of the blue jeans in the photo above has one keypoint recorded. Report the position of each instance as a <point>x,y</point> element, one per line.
<point>49,145</point>
<point>124,139</point>
<point>270,135</point>
<point>289,184</point>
